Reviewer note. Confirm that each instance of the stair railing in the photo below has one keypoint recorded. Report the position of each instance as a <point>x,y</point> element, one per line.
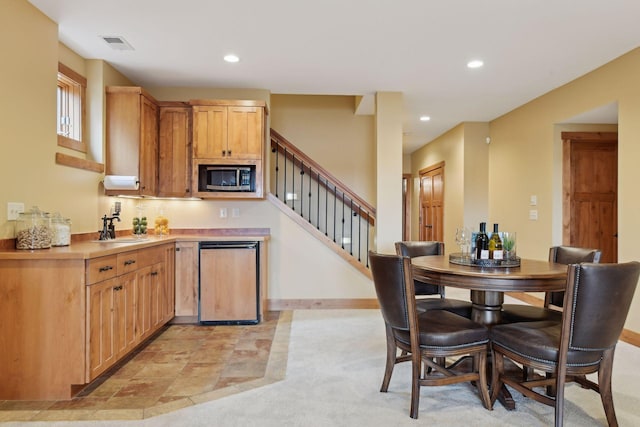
<point>321,199</point>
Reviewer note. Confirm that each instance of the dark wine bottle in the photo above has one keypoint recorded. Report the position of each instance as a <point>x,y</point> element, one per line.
<point>495,244</point>
<point>482,242</point>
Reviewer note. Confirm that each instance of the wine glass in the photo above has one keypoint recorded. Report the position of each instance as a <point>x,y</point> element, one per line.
<point>463,239</point>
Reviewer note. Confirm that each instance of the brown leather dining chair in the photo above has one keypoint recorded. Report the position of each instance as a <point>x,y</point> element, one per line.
<point>414,249</point>
<point>425,336</point>
<point>553,300</point>
<point>596,304</point>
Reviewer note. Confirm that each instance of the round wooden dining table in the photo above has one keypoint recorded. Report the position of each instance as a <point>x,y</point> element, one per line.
<point>488,284</point>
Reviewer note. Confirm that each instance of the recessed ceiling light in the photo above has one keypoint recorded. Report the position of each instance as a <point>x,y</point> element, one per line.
<point>425,118</point>
<point>476,63</point>
<point>231,58</point>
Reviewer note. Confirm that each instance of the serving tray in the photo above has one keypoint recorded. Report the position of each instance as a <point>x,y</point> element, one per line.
<point>460,259</point>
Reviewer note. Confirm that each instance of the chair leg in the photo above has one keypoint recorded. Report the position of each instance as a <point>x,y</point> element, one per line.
<point>496,371</point>
<point>416,368</point>
<point>559,406</point>
<point>391,358</point>
<point>604,382</point>
<point>482,386</point>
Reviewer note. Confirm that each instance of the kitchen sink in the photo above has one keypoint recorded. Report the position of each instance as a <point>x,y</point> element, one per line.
<point>122,240</point>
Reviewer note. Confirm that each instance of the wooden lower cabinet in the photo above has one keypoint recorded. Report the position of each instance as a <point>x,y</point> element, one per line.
<point>186,276</point>
<point>111,322</point>
<point>125,310</point>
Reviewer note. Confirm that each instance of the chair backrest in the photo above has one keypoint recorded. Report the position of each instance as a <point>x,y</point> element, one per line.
<point>414,249</point>
<point>568,255</point>
<point>393,282</point>
<point>597,302</point>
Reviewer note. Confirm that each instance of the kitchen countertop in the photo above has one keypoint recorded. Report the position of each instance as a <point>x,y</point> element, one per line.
<point>92,249</point>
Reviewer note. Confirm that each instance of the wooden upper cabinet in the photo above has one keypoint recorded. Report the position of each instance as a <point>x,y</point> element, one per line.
<point>228,130</point>
<point>174,155</point>
<point>132,137</point>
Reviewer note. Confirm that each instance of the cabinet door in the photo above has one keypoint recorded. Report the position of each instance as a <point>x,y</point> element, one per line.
<point>174,155</point>
<point>210,132</point>
<point>228,287</point>
<point>101,327</point>
<point>167,297</point>
<point>157,282</point>
<point>143,306</point>
<point>148,147</point>
<point>245,132</point>
<point>186,279</point>
<point>124,301</point>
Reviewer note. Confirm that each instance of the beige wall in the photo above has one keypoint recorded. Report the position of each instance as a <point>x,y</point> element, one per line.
<point>464,152</point>
<point>525,143</point>
<point>327,130</point>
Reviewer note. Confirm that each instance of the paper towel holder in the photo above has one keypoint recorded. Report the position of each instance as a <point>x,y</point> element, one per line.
<point>120,182</point>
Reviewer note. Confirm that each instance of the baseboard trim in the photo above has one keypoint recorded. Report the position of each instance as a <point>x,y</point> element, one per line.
<point>628,336</point>
<point>309,304</point>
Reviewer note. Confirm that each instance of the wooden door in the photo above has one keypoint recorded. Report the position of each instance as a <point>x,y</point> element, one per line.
<point>209,132</point>
<point>148,147</point>
<point>590,182</point>
<point>245,129</point>
<point>406,207</point>
<point>174,153</point>
<point>432,203</point>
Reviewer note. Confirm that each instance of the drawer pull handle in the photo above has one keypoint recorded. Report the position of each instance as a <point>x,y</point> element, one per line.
<point>105,268</point>
<point>130,261</point>
<point>154,273</point>
<point>118,288</point>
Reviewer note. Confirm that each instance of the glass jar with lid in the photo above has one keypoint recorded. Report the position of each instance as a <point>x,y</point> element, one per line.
<point>33,230</point>
<point>60,230</point>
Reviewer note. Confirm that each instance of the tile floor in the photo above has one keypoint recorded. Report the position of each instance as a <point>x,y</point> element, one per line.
<point>183,365</point>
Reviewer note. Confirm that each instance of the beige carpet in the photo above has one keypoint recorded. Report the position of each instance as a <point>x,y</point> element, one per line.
<point>334,370</point>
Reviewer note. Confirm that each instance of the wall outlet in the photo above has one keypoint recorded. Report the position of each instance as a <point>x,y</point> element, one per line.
<point>13,210</point>
<point>533,214</point>
<point>235,212</point>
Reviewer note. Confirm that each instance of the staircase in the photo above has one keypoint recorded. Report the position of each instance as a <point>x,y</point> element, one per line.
<point>320,203</point>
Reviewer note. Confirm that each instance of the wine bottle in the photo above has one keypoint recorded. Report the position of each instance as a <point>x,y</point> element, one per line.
<point>495,244</point>
<point>482,242</point>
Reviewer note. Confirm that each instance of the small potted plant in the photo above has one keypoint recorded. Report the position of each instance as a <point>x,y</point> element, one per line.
<point>509,245</point>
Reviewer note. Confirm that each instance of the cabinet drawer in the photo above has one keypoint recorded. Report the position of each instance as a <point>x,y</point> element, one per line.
<point>153,255</point>
<point>127,262</point>
<point>99,269</point>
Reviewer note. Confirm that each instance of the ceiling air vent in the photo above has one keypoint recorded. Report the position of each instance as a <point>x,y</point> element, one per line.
<point>117,42</point>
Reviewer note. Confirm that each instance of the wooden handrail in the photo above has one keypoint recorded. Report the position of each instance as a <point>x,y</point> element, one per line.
<point>365,209</point>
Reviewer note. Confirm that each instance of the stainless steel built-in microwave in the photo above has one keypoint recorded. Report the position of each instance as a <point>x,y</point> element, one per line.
<point>226,178</point>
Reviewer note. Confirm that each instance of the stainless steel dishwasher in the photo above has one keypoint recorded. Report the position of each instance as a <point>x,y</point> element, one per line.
<point>229,285</point>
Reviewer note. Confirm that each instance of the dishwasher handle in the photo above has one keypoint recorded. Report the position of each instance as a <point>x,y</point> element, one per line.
<point>228,245</point>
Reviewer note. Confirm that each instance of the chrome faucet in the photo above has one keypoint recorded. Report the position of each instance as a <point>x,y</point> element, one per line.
<point>108,231</point>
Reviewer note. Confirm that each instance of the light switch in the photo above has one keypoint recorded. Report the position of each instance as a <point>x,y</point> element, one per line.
<point>533,214</point>
<point>223,212</point>
<point>13,210</point>
<point>533,200</point>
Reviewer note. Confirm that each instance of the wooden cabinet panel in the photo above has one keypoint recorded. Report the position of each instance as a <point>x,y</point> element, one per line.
<point>209,132</point>
<point>245,132</point>
<point>102,268</point>
<point>127,262</point>
<point>186,279</point>
<point>174,155</point>
<point>228,287</point>
<point>167,297</point>
<point>101,327</point>
<point>124,302</point>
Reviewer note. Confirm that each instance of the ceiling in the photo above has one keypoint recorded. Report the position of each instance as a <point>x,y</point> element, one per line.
<point>360,47</point>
